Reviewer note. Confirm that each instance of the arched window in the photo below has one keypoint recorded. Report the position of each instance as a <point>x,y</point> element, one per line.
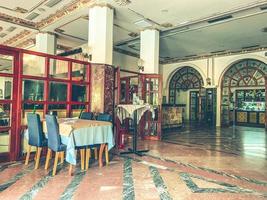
<point>184,79</point>
<point>245,73</point>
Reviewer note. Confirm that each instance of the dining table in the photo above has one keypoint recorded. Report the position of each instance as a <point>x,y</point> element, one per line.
<point>75,132</point>
<point>134,112</point>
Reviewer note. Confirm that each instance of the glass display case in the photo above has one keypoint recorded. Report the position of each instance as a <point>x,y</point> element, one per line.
<point>250,107</point>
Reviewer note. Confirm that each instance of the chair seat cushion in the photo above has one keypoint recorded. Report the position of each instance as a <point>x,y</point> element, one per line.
<point>42,143</point>
<point>62,147</point>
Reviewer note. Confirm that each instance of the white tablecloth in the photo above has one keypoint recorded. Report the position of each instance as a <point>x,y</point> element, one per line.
<point>127,111</point>
<point>95,132</point>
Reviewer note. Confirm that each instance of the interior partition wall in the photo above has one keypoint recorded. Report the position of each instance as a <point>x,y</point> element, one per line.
<point>40,83</point>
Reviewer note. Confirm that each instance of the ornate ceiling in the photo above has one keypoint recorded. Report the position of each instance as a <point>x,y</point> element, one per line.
<point>188,29</point>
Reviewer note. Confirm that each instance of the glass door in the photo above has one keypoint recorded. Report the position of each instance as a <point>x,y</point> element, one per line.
<point>8,95</point>
<point>194,105</point>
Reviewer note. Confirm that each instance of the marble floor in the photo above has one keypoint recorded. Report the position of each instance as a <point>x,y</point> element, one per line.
<point>190,163</point>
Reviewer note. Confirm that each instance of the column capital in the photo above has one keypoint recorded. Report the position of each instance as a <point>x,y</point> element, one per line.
<point>101,5</point>
<point>47,32</point>
<point>152,28</point>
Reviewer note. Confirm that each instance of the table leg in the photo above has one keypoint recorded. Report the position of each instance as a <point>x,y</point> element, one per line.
<point>135,135</point>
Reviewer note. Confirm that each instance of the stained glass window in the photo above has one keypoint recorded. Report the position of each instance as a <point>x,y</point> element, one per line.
<point>184,79</point>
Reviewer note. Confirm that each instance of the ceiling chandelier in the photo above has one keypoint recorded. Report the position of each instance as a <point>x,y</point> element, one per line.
<point>123,2</point>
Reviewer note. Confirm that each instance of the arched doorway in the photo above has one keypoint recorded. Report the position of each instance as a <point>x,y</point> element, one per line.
<point>185,89</point>
<point>243,93</point>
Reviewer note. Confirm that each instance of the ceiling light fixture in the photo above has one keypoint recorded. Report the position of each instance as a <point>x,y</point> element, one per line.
<point>123,2</point>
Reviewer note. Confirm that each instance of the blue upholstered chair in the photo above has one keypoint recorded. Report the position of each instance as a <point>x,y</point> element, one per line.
<point>36,137</point>
<point>87,115</point>
<point>54,142</point>
<point>104,117</point>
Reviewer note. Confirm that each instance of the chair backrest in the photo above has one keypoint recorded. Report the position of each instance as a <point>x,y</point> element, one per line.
<point>52,132</point>
<point>35,130</point>
<point>104,117</point>
<point>87,115</point>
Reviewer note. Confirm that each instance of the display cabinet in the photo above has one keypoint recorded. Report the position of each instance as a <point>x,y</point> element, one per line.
<point>151,85</point>
<point>250,107</point>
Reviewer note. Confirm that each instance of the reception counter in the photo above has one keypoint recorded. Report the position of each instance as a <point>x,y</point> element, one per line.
<point>173,115</point>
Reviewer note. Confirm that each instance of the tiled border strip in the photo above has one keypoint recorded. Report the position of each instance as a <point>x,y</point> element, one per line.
<point>18,176</point>
<point>40,184</point>
<point>128,185</point>
<point>159,183</point>
<point>194,187</point>
<point>250,180</point>
<point>72,187</point>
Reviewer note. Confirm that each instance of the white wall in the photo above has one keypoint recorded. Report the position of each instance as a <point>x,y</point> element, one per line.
<point>213,67</point>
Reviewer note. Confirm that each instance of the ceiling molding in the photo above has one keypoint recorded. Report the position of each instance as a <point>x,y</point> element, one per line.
<point>59,14</point>
<point>17,37</point>
<point>129,53</point>
<point>102,5</point>
<point>17,21</point>
<point>26,43</point>
<point>226,53</point>
<point>66,10</point>
<point>23,10</point>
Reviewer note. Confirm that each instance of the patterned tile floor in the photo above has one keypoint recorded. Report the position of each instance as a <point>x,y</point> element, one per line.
<point>180,168</point>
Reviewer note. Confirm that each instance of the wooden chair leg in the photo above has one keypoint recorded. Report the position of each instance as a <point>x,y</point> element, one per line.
<point>95,151</point>
<point>35,156</point>
<point>62,157</point>
<point>39,150</point>
<point>48,156</point>
<point>102,146</point>
<point>55,163</point>
<point>70,170</point>
<point>28,155</point>
<point>106,154</point>
<point>82,152</point>
<point>88,155</point>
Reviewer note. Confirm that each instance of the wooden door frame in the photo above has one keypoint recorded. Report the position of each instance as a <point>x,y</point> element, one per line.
<point>14,127</point>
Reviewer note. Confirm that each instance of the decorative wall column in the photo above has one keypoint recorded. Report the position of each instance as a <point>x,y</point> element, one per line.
<point>100,38</point>
<point>149,50</point>
<point>100,45</point>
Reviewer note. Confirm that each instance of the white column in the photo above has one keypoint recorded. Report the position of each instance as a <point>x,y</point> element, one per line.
<point>149,50</point>
<point>100,39</point>
<point>46,43</point>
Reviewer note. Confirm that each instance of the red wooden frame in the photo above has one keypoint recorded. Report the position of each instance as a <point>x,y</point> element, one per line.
<point>17,101</point>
